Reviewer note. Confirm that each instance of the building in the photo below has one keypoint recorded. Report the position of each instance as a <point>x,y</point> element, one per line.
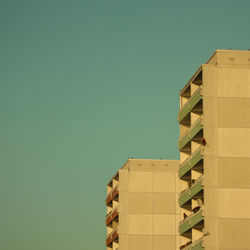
<point>214,146</point>
<point>142,208</point>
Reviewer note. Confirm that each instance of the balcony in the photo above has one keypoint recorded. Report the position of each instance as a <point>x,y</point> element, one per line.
<point>112,216</point>
<point>191,192</point>
<point>194,220</point>
<point>190,134</point>
<point>197,245</point>
<point>192,162</point>
<point>188,106</point>
<point>112,237</point>
<point>112,195</point>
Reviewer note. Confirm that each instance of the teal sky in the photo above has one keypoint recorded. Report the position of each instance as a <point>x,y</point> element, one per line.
<point>85,85</point>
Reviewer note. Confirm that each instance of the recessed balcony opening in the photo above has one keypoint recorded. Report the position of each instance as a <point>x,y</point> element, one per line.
<point>110,186</point>
<point>188,234</point>
<point>199,226</point>
<point>187,120</point>
<point>186,92</point>
<point>113,198</point>
<point>200,196</point>
<point>194,103</point>
<point>198,167</point>
<point>116,177</point>
<point>116,180</point>
<point>192,196</point>
<point>116,219</point>
<point>187,148</point>
<point>110,204</point>
<point>188,206</point>
<point>198,79</point>
<point>194,134</point>
<point>110,246</point>
<point>195,162</point>
<point>110,183</point>
<point>109,241</point>
<point>109,220</point>
<point>198,108</point>
<point>187,176</point>
<point>195,220</point>
<point>116,240</point>
<point>198,137</point>
<point>112,240</point>
<point>112,219</point>
<point>116,198</point>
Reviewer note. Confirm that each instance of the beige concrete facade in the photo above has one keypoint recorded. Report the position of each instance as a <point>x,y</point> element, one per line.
<point>214,146</point>
<point>142,208</point>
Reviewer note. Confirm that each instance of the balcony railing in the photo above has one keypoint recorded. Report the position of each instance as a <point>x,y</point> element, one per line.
<point>111,237</point>
<point>189,105</point>
<point>112,195</point>
<point>191,221</point>
<point>190,133</point>
<point>197,245</point>
<point>190,192</point>
<point>189,163</point>
<point>111,216</point>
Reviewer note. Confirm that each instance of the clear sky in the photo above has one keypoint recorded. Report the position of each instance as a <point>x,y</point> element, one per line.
<point>85,85</point>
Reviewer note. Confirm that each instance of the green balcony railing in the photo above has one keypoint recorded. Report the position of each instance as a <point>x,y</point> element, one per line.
<point>190,192</point>
<point>191,221</point>
<point>197,245</point>
<point>190,133</point>
<point>189,105</point>
<point>188,164</point>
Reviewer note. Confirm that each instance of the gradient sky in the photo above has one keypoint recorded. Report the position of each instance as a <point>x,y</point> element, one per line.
<point>85,85</point>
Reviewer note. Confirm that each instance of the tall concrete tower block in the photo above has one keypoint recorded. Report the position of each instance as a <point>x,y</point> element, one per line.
<point>142,208</point>
<point>214,146</point>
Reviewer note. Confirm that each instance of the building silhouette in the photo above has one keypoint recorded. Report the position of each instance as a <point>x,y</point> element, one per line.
<point>201,201</point>
<point>142,206</point>
<point>214,146</point>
